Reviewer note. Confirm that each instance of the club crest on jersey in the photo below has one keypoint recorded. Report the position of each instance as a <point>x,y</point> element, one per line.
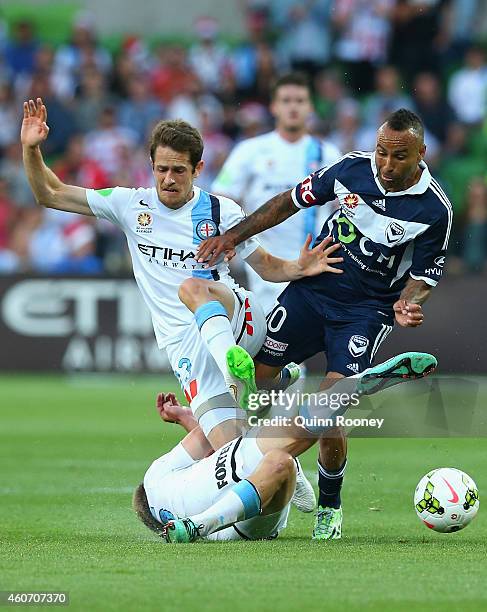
<point>206,229</point>
<point>351,200</point>
<point>144,221</point>
<point>394,232</point>
<point>357,345</point>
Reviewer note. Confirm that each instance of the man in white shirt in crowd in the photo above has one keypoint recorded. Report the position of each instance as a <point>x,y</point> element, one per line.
<point>261,167</point>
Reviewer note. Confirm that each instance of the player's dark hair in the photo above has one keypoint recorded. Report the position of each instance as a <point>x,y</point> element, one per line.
<point>141,507</point>
<point>292,78</point>
<point>179,136</point>
<point>403,120</point>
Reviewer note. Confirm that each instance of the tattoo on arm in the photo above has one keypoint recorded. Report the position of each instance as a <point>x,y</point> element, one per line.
<point>416,291</point>
<point>274,211</point>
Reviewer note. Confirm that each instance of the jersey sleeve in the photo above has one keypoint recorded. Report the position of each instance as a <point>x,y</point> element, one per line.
<point>430,251</point>
<point>233,177</point>
<point>110,204</point>
<point>231,215</point>
<point>317,188</point>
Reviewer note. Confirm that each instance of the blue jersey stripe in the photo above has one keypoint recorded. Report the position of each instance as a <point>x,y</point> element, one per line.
<point>201,211</point>
<point>207,208</point>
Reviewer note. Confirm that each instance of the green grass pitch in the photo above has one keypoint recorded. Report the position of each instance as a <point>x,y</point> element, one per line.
<point>72,449</point>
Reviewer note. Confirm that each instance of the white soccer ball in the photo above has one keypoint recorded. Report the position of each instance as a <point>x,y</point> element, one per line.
<point>446,500</point>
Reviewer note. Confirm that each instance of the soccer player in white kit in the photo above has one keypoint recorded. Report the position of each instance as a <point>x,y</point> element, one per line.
<point>261,167</point>
<point>164,226</point>
<point>243,490</point>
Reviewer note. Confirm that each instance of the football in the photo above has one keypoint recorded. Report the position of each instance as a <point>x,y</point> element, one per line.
<point>446,500</point>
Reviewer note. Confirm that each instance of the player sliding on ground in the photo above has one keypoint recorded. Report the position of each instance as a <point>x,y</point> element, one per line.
<point>243,490</point>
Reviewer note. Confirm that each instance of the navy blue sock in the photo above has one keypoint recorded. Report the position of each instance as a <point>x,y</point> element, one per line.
<point>330,485</point>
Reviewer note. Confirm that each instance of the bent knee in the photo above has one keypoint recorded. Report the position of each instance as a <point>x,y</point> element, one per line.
<point>190,288</point>
<point>280,462</point>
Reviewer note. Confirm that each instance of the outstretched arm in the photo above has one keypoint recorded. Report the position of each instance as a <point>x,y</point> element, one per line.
<point>274,211</point>
<point>48,190</point>
<point>310,263</point>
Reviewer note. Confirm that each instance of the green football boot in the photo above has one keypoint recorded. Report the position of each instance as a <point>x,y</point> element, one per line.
<point>398,369</point>
<point>180,531</point>
<point>328,524</point>
<point>242,370</point>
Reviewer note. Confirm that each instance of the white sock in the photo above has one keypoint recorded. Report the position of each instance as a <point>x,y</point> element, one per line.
<point>216,331</point>
<point>241,502</point>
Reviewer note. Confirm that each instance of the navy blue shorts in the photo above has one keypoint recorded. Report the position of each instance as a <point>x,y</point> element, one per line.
<point>304,324</point>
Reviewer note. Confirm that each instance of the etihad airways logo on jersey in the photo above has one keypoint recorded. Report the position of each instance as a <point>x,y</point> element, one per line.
<point>306,192</point>
<point>177,257</point>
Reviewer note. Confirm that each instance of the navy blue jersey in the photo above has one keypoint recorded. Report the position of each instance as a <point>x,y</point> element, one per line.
<point>386,237</point>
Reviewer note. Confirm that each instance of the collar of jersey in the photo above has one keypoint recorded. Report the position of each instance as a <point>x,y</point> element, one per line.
<point>420,187</point>
<point>189,203</point>
<point>282,140</point>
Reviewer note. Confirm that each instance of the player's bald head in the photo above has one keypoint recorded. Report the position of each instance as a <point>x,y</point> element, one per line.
<point>404,120</point>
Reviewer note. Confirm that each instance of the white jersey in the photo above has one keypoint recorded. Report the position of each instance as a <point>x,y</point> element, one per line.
<point>259,168</point>
<point>162,244</point>
<point>178,486</point>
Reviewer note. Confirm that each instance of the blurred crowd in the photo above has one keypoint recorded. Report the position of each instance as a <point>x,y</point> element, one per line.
<point>364,59</point>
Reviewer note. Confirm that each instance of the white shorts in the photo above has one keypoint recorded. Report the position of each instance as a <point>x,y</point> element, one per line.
<point>192,363</point>
<point>190,490</point>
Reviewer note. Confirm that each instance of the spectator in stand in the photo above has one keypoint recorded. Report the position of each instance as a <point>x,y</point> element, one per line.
<point>189,103</point>
<point>363,30</point>
<point>124,70</point>
<point>349,135</point>
<point>105,143</point>
<point>387,97</point>
<point>419,36</point>
<point>329,94</point>
<point>92,98</point>
<point>475,230</point>
<point>60,115</point>
<point>12,171</point>
<point>8,215</point>
<point>208,57</point>
<point>9,117</point>
<point>76,168</point>
<point>467,89</point>
<point>462,26</point>
<point>44,64</point>
<point>304,42</point>
<point>137,51</point>
<point>50,242</point>
<point>253,119</point>
<point>140,111</point>
<point>171,75</point>
<point>431,105</point>
<point>217,146</point>
<point>134,168</point>
<point>21,51</point>
<point>245,57</point>
<point>81,52</point>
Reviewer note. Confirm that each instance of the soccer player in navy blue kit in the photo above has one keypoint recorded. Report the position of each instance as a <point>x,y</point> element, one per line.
<point>393,224</point>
